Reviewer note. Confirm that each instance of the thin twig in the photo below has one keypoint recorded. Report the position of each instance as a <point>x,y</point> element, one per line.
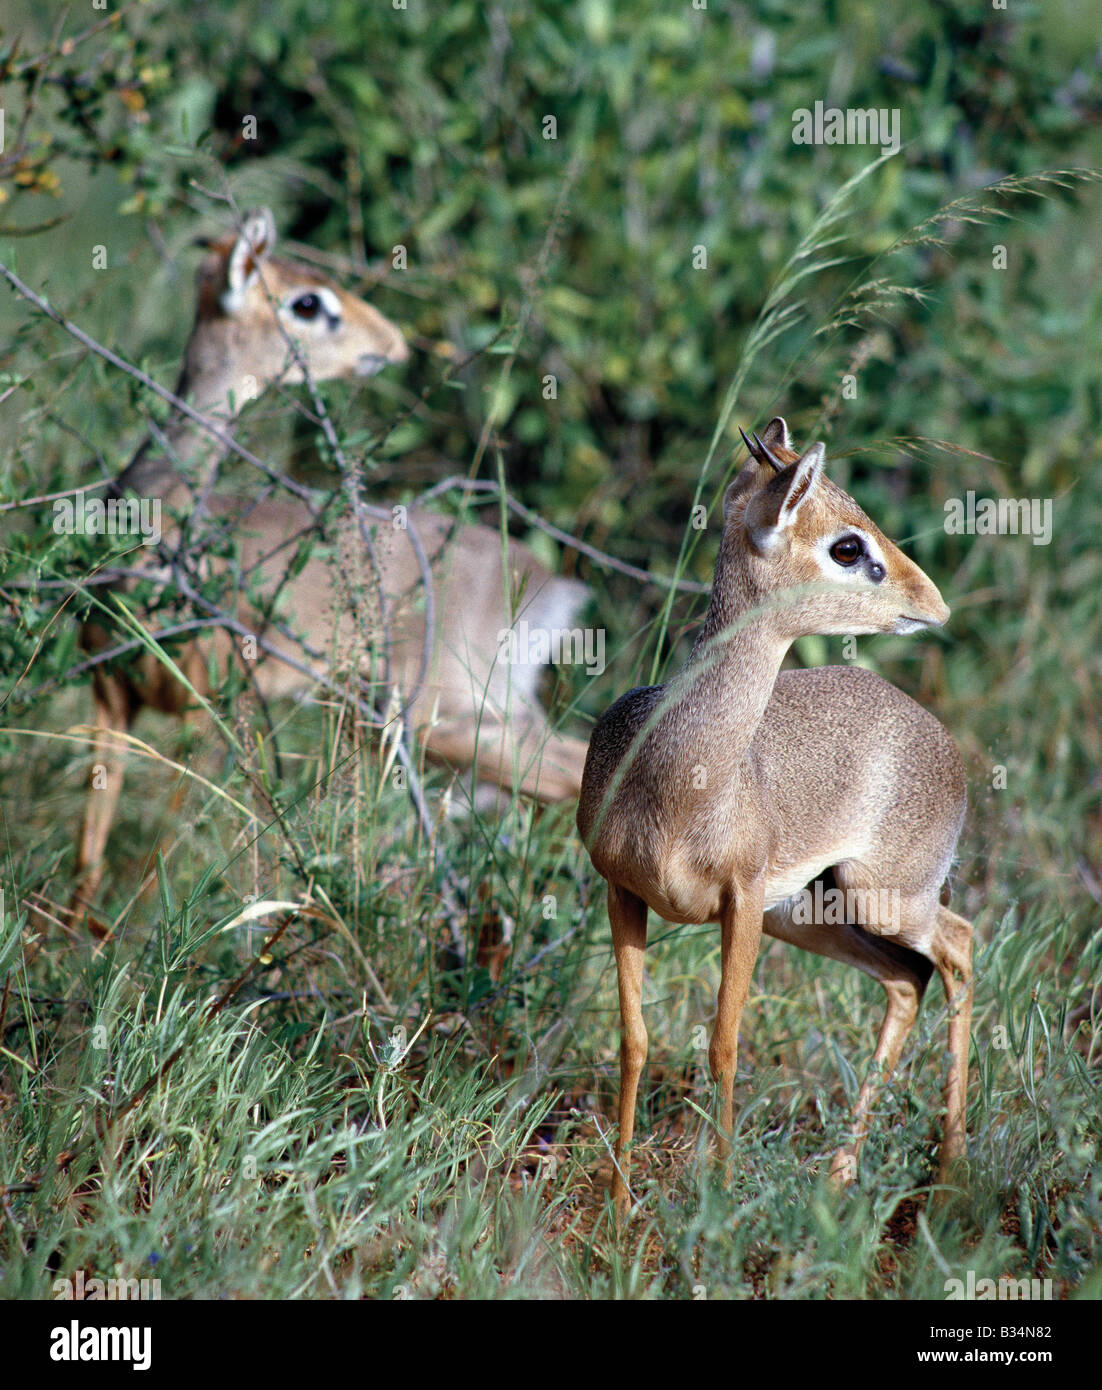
<point>112,20</point>
<point>228,442</point>
<point>688,586</point>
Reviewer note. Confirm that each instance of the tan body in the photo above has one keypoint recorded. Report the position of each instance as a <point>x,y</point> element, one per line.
<point>825,712</point>
<point>752,782</point>
<point>470,708</point>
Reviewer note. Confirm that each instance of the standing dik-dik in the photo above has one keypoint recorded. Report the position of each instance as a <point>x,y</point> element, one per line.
<point>722,795</point>
<point>468,707</point>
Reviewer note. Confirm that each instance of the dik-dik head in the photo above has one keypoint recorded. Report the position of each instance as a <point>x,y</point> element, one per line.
<point>251,303</point>
<point>788,527</point>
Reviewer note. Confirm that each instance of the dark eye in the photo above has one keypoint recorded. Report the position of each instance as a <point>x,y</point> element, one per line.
<point>306,306</point>
<point>847,551</point>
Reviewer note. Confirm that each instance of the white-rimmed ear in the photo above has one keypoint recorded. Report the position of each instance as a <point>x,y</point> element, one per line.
<point>774,507</point>
<point>775,435</point>
<point>253,245</point>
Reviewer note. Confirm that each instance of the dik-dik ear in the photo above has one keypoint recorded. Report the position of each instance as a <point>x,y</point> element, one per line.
<point>745,481</point>
<point>775,436</point>
<point>251,248</point>
<point>762,449</point>
<point>773,509</point>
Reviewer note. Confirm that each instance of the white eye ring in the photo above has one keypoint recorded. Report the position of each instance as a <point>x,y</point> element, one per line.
<point>310,303</point>
<point>867,564</point>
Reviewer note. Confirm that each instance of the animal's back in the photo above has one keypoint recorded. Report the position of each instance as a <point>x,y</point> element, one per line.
<point>332,604</point>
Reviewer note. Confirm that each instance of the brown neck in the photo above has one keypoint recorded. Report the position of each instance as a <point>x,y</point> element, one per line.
<point>729,677</point>
<point>182,460</point>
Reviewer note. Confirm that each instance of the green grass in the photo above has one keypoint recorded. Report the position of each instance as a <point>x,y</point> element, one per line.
<point>296,1148</point>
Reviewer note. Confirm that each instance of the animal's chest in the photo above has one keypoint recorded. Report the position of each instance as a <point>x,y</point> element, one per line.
<point>692,872</point>
<point>687,898</point>
<point>696,869</point>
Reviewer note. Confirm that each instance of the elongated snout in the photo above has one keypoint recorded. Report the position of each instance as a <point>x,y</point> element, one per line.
<point>924,605</point>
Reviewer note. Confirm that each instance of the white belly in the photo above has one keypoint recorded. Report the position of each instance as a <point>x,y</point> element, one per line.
<point>790,878</point>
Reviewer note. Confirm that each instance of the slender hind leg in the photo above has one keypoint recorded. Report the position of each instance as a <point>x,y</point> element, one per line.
<point>952,952</point>
<point>542,764</point>
<point>903,973</point>
<point>113,716</point>
<point>190,718</point>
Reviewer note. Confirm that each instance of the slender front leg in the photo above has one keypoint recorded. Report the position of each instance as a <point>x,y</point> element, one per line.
<point>627,915</point>
<point>741,926</point>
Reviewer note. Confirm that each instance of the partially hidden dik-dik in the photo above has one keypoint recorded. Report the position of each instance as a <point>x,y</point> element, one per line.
<point>723,795</point>
<point>261,320</point>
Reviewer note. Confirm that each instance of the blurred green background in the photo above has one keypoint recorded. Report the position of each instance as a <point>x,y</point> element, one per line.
<point>425,127</point>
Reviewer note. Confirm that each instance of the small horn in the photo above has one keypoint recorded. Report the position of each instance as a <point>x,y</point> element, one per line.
<point>774,463</point>
<point>759,451</point>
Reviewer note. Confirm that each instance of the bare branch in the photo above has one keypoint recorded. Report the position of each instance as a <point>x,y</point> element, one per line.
<point>228,442</point>
<point>687,586</point>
